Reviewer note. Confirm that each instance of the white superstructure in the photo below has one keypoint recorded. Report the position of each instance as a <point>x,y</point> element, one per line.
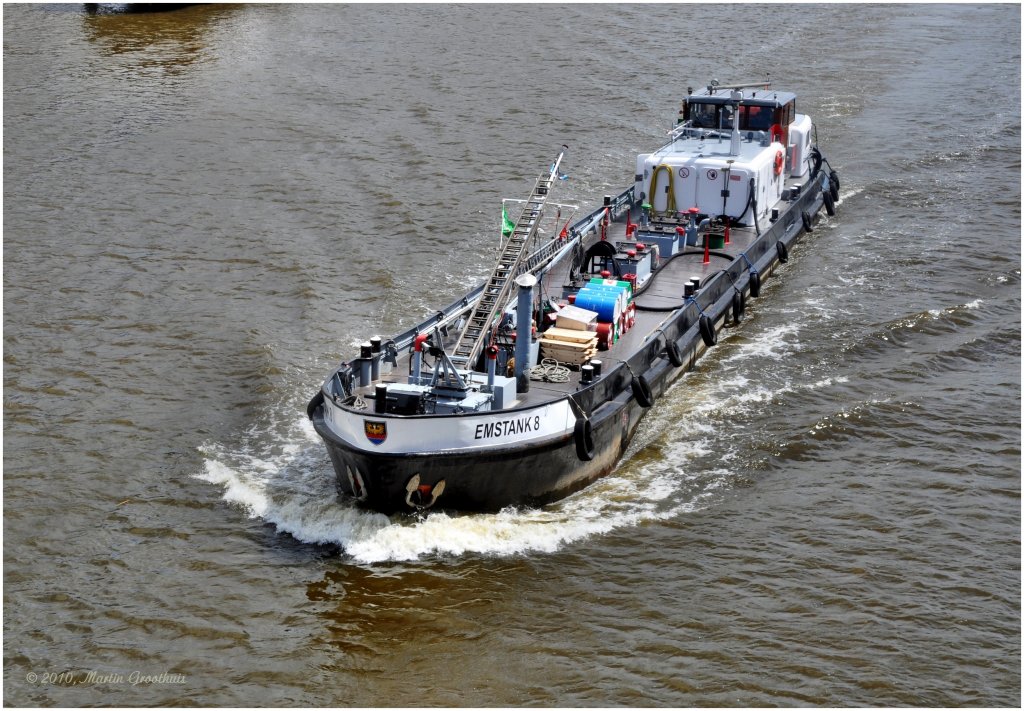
<point>729,156</point>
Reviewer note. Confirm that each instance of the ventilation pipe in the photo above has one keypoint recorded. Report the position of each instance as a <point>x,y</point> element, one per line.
<point>524,330</point>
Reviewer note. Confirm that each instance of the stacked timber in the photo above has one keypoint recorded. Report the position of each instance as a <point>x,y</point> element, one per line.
<point>568,346</point>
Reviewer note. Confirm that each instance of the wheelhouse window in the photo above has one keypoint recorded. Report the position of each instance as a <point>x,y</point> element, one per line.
<point>756,118</point>
<point>703,115</point>
<point>788,114</point>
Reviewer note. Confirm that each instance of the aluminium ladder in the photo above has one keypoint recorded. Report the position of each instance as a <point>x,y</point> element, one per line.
<point>495,294</point>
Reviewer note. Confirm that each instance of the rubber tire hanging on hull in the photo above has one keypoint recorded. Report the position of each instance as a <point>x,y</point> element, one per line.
<point>707,331</point>
<point>755,284</point>
<point>642,391</point>
<point>674,356</point>
<point>830,204</point>
<point>833,186</point>
<point>808,221</point>
<point>316,402</point>
<point>738,306</point>
<point>783,252</point>
<point>583,436</point>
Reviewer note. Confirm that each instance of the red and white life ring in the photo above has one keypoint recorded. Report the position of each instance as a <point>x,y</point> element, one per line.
<point>780,161</point>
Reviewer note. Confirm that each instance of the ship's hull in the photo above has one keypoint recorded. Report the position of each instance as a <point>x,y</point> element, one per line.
<point>526,474</point>
<point>517,475</point>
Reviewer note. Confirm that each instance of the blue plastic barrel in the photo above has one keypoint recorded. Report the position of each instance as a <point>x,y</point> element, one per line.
<point>622,292</point>
<point>605,303</point>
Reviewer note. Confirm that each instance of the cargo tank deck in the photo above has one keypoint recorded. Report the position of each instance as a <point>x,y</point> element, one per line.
<point>657,298</point>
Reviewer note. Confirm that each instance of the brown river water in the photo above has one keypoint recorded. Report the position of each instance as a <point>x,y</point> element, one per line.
<point>205,209</point>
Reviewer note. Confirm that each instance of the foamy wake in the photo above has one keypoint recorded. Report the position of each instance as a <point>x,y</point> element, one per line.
<point>294,490</point>
<point>675,464</point>
<point>850,193</point>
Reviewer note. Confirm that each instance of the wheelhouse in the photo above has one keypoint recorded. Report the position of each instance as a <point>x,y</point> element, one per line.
<point>712,108</point>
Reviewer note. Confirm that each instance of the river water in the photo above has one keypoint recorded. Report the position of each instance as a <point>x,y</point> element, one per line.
<point>204,210</point>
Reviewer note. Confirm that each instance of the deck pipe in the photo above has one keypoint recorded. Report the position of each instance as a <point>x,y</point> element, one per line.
<point>524,330</point>
<point>365,360</point>
<point>693,228</point>
<point>417,356</point>
<point>492,366</point>
<point>375,357</point>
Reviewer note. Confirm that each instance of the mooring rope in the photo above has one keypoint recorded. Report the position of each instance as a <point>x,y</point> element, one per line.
<point>549,371</point>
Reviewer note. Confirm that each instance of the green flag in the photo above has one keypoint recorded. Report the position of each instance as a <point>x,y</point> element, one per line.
<point>507,225</point>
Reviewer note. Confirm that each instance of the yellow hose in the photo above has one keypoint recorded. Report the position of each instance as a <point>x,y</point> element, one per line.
<point>670,206</point>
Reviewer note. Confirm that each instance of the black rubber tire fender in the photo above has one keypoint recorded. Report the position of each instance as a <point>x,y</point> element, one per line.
<point>833,187</point>
<point>583,436</point>
<point>642,391</point>
<point>707,330</point>
<point>316,402</point>
<point>830,204</point>
<point>808,221</point>
<point>739,305</point>
<point>674,356</point>
<point>755,284</point>
<point>783,252</point>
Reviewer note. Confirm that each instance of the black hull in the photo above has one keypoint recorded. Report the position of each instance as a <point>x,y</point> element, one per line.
<point>483,482</point>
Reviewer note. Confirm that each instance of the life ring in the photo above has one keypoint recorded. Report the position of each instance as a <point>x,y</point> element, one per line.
<point>738,306</point>
<point>808,223</point>
<point>642,391</point>
<point>780,162</point>
<point>674,356</point>
<point>707,330</point>
<point>583,436</point>
<point>755,284</point>
<point>783,252</point>
<point>830,204</point>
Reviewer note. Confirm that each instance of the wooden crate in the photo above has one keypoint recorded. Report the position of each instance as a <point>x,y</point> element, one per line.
<point>576,319</point>
<point>568,352</point>
<point>569,335</point>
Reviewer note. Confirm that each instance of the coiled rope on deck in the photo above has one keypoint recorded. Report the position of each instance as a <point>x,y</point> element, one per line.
<point>549,371</point>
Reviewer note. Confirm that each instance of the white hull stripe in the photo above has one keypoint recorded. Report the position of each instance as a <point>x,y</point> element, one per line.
<point>475,432</point>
